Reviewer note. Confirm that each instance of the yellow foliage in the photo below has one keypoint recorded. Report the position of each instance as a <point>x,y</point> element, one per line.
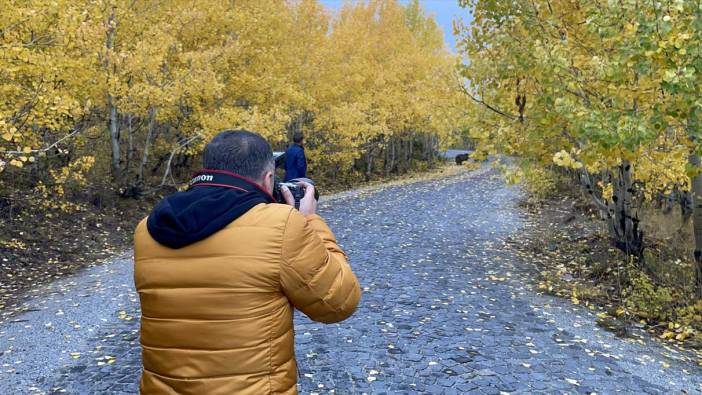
<point>563,158</point>
<point>166,76</point>
<point>587,85</point>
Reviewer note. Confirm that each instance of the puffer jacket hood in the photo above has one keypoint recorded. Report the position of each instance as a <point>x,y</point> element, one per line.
<point>215,199</point>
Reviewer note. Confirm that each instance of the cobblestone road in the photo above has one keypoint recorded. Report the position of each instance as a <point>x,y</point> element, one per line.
<point>448,308</point>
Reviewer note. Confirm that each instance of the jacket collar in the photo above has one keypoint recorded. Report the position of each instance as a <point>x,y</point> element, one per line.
<point>227,179</point>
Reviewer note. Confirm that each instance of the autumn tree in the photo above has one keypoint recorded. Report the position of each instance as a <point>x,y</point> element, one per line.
<point>121,95</point>
<point>605,90</point>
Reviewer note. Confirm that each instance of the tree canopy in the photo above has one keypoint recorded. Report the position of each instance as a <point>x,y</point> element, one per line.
<point>607,90</point>
<point>124,94</point>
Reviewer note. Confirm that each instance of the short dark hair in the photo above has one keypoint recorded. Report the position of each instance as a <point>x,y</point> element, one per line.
<point>298,137</point>
<point>239,151</point>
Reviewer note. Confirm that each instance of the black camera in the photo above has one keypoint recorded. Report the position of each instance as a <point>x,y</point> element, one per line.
<point>297,191</point>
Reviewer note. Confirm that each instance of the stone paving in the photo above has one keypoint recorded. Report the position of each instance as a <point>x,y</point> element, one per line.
<point>447,308</point>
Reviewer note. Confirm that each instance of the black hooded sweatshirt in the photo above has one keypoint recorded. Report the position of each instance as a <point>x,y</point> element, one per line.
<point>214,199</point>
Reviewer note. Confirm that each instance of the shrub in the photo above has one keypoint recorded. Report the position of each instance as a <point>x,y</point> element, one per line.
<point>645,299</point>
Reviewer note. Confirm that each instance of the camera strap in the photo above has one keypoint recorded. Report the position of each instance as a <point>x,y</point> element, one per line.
<point>226,179</point>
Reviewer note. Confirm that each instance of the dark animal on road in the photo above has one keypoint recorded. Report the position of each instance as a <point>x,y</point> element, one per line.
<point>460,158</point>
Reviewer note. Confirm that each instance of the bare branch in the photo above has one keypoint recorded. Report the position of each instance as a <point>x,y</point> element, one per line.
<point>586,181</point>
<point>75,131</point>
<point>491,108</point>
<point>167,173</point>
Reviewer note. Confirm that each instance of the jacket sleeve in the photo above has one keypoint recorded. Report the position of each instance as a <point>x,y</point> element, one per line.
<point>301,164</point>
<point>315,274</point>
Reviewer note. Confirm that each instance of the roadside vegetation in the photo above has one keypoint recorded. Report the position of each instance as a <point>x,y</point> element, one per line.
<point>600,103</point>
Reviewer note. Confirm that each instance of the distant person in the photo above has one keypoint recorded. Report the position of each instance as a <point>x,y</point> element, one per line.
<point>220,268</point>
<point>295,161</point>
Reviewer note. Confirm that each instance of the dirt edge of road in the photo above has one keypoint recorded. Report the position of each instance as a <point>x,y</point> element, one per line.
<point>43,247</point>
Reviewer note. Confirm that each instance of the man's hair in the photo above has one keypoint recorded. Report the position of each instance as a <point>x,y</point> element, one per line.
<point>298,137</point>
<point>239,151</point>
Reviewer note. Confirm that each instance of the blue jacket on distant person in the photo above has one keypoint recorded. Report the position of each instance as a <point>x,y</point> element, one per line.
<point>295,162</point>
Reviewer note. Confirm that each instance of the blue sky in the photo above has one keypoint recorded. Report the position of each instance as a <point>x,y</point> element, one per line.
<point>444,11</point>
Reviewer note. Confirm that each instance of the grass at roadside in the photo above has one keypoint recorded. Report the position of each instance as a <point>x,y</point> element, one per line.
<point>576,260</point>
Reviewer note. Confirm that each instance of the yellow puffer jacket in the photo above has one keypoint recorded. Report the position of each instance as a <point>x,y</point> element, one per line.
<point>217,315</point>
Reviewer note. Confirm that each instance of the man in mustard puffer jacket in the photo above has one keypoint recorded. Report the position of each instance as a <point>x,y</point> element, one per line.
<point>220,268</point>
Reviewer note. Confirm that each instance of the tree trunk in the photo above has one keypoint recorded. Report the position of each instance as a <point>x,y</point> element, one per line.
<point>386,157</point>
<point>369,164</point>
<point>130,146</point>
<point>391,155</point>
<point>697,222</point>
<point>411,148</point>
<point>686,204</point>
<point>113,125</point>
<point>625,226</point>
<point>622,224</point>
<point>113,119</point>
<point>147,145</point>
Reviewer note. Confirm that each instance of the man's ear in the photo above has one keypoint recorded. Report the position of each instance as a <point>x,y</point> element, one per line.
<point>267,182</point>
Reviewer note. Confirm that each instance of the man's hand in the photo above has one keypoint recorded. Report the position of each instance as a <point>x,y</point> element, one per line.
<point>287,195</point>
<point>308,204</point>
